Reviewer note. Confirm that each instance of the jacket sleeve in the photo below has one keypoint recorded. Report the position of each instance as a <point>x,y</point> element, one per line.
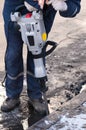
<point>73,8</point>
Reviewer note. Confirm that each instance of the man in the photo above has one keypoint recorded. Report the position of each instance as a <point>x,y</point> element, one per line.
<point>13,57</point>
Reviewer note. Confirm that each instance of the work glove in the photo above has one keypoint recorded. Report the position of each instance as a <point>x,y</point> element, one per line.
<point>58,4</point>
<point>29,7</point>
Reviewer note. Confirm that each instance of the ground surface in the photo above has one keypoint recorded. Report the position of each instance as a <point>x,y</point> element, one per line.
<point>66,68</point>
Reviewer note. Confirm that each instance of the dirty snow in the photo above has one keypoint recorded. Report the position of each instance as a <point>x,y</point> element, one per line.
<point>77,122</point>
<point>83,88</point>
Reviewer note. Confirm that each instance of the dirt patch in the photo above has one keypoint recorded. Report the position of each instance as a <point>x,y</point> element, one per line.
<point>67,71</point>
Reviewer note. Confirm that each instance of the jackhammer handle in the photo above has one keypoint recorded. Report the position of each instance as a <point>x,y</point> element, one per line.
<point>20,8</point>
<point>51,43</point>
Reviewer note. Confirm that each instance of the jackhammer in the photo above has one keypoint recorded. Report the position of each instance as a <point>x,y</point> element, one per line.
<point>33,33</point>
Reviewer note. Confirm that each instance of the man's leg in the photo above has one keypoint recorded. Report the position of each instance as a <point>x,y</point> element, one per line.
<point>13,62</point>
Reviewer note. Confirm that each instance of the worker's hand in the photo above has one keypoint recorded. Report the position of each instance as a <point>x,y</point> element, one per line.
<point>29,7</point>
<point>58,4</point>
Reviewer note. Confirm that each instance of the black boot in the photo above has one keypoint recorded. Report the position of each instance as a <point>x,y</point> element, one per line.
<point>9,104</point>
<point>38,105</point>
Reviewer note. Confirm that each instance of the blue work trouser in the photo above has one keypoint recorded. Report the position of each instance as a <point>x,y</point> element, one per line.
<point>13,57</point>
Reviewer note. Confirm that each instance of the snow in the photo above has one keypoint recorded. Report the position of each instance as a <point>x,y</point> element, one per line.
<point>83,88</point>
<point>77,122</point>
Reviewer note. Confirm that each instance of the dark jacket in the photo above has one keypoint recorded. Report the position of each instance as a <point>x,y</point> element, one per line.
<point>73,8</point>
